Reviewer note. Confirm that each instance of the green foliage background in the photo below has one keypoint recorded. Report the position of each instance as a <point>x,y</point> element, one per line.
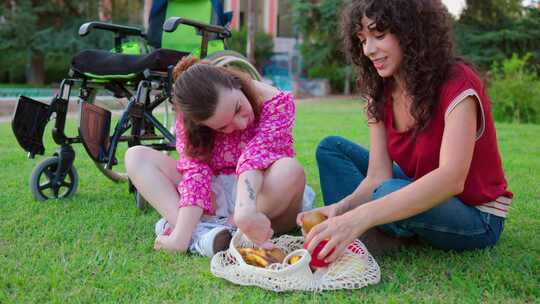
<point>318,22</point>
<point>45,27</point>
<point>486,43</point>
<point>515,91</point>
<point>264,45</point>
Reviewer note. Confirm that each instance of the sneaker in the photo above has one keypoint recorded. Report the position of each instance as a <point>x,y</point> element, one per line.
<point>214,241</point>
<point>162,227</point>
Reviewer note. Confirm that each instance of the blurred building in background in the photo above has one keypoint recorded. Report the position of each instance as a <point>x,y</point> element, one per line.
<point>274,17</point>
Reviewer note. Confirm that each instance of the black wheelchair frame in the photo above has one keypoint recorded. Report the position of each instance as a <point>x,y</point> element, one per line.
<point>32,116</point>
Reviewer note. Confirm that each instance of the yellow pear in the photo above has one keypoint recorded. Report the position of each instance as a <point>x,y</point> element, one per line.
<point>311,219</point>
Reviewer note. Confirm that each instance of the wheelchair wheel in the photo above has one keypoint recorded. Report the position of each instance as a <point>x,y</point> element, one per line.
<point>43,175</point>
<point>115,176</point>
<point>234,59</point>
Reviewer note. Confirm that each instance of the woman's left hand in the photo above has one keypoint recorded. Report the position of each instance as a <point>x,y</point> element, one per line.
<point>340,231</point>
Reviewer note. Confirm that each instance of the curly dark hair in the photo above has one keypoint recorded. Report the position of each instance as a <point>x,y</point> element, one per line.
<point>196,89</point>
<point>424,31</point>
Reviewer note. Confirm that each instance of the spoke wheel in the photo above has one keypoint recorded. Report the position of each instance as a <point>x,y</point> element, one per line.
<point>43,185</point>
<point>234,59</point>
<point>116,175</point>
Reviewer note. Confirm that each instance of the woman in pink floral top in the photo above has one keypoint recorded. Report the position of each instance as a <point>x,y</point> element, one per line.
<point>227,124</point>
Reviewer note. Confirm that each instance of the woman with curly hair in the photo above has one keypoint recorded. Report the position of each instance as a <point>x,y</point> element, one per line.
<point>433,171</point>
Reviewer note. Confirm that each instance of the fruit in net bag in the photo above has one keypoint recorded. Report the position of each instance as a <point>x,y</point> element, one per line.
<point>294,259</point>
<point>260,257</point>
<point>309,221</point>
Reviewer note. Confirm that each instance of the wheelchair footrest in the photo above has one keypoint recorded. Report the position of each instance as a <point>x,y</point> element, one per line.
<point>28,124</point>
<point>94,131</point>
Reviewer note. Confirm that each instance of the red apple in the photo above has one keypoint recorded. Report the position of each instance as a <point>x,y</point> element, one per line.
<point>316,262</point>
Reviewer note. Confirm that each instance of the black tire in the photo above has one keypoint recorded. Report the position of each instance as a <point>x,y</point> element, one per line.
<point>235,59</point>
<point>41,178</point>
<point>140,201</point>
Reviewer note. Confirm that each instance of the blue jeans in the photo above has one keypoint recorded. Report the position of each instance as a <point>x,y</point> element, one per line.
<point>451,225</point>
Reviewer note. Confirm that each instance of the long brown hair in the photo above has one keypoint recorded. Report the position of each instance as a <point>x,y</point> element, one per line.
<point>424,31</point>
<point>195,95</point>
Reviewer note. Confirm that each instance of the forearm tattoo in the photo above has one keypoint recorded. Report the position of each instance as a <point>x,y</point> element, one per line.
<point>251,195</point>
<point>250,190</point>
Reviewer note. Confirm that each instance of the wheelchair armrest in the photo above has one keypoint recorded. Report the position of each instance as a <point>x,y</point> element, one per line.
<point>117,29</point>
<point>172,23</point>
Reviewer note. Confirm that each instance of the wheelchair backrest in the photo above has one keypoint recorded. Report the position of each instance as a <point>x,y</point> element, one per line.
<point>185,38</point>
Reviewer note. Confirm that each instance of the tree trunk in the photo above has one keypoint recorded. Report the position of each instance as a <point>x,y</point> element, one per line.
<point>35,71</point>
<point>347,86</point>
<point>250,50</point>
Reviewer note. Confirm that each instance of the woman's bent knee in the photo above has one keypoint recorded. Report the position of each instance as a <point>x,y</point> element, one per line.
<point>329,143</point>
<point>283,183</point>
<point>291,169</point>
<point>133,156</point>
<point>137,156</point>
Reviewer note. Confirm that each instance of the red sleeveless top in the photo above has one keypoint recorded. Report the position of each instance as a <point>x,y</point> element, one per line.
<point>419,155</point>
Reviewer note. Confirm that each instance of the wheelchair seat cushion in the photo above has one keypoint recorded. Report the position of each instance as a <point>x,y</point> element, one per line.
<point>105,63</point>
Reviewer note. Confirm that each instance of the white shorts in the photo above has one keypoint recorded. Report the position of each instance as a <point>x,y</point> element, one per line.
<point>224,187</point>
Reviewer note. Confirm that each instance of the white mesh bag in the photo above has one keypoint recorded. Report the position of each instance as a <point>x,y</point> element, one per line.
<point>356,268</point>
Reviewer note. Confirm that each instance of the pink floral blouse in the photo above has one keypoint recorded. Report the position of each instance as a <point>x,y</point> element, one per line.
<point>254,148</point>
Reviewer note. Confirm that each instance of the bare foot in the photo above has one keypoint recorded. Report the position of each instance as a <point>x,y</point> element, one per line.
<point>168,243</point>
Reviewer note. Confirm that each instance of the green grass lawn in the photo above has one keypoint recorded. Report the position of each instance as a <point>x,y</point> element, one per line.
<point>97,247</point>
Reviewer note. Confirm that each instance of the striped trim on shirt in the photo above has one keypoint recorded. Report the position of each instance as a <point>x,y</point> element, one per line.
<point>461,97</point>
<point>498,207</point>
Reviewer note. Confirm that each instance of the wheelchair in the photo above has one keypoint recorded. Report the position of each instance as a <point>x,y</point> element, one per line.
<point>144,80</point>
